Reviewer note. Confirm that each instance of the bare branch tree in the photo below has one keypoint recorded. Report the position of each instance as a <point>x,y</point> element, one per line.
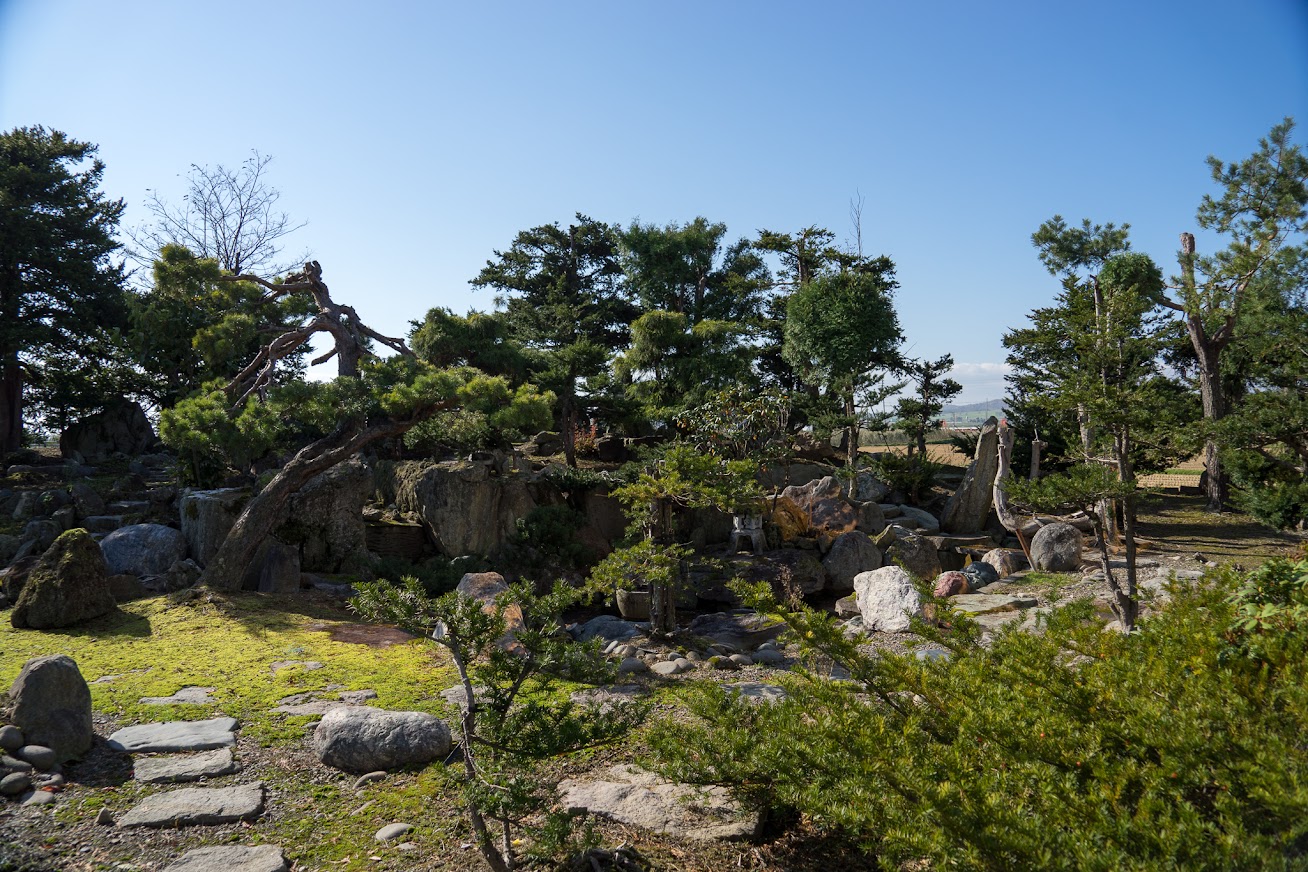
<point>227,214</point>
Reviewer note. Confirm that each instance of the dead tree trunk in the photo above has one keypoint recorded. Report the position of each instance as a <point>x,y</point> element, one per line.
<point>1004,509</point>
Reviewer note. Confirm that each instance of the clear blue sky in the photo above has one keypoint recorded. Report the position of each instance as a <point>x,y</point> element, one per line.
<point>416,138</point>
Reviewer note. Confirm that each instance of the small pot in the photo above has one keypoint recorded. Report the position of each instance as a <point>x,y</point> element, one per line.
<point>633,604</point>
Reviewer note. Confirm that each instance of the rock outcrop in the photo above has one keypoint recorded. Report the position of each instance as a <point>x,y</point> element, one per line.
<point>143,549</point>
<point>51,705</point>
<point>967,510</point>
<point>68,585</point>
<point>121,428</point>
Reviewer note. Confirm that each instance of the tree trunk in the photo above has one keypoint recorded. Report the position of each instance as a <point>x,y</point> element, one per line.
<point>568,427</point>
<point>1036,447</point>
<point>261,515</point>
<point>663,597</point>
<point>11,405</point>
<point>851,434</point>
<point>1214,400</point>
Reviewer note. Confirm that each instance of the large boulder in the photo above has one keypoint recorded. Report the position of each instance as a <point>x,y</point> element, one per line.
<point>870,489</point>
<point>325,519</point>
<point>790,520</point>
<point>801,571</point>
<point>851,553</point>
<point>886,599</point>
<point>121,428</point>
<point>967,510</point>
<point>824,502</point>
<point>465,508</point>
<point>917,554</point>
<point>925,521</point>
<point>871,518</point>
<point>68,585</point>
<point>364,739</point>
<point>143,549</point>
<point>1056,548</point>
<point>207,516</point>
<point>51,704</point>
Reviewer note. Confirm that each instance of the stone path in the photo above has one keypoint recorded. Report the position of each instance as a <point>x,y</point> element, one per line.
<point>633,796</point>
<point>192,695</point>
<point>265,858</point>
<point>197,806</point>
<point>174,736</point>
<point>185,767</point>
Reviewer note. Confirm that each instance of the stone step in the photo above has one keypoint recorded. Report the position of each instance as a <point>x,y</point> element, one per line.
<point>173,736</point>
<point>197,806</point>
<point>987,603</point>
<point>231,858</point>
<point>172,769</point>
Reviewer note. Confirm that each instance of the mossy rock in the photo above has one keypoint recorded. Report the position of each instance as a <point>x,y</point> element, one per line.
<point>67,586</point>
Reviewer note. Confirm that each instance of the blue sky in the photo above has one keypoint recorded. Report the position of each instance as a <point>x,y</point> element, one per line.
<point>417,138</point>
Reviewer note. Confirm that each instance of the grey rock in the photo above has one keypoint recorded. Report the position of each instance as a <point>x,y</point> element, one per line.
<point>102,524</point>
<point>631,665</point>
<point>886,599</point>
<point>1005,561</point>
<point>604,698</point>
<point>392,832</point>
<point>926,522</point>
<point>743,630</point>
<point>870,489</point>
<point>13,764</point>
<point>191,695</point>
<point>39,756</point>
<point>11,738</point>
<point>86,500</point>
<point>41,532</point>
<point>279,570</point>
<point>824,502</point>
<point>143,549</point>
<point>172,769</point>
<point>326,519</point>
<point>969,506</point>
<point>231,858</point>
<point>847,606</point>
<point>41,797</point>
<point>725,664</point>
<point>742,659</point>
<point>917,555</point>
<point>357,697</point>
<point>753,691</point>
<point>207,516</point>
<point>672,667</point>
<point>181,575</point>
<point>9,546</point>
<point>370,778</point>
<point>980,574</point>
<point>985,603</point>
<point>1057,548</point>
<point>15,783</point>
<point>609,627</point>
<point>174,736</point>
<point>197,806</point>
<point>52,705</point>
<point>67,586</point>
<point>317,708</point>
<point>871,519</point>
<point>641,799</point>
<point>121,428</point>
<point>769,657</point>
<point>850,554</point>
<point>365,739</point>
<point>104,819</point>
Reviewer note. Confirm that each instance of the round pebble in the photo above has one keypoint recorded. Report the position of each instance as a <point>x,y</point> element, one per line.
<point>11,738</point>
<point>742,659</point>
<point>769,656</point>
<point>370,778</point>
<point>392,832</point>
<point>41,757</point>
<point>15,783</point>
<point>632,664</point>
<point>104,818</point>
<point>41,797</point>
<point>719,662</point>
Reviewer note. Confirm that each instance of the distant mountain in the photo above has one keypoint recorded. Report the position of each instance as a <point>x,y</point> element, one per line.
<point>991,406</point>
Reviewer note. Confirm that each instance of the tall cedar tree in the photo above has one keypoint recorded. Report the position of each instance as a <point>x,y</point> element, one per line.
<point>58,287</point>
<point>563,299</point>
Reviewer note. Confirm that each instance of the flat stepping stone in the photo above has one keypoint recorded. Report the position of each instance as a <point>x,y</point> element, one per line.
<point>197,806</point>
<point>632,796</point>
<point>231,858</point>
<point>184,767</point>
<point>307,665</point>
<point>603,698</point>
<point>317,708</point>
<point>192,695</point>
<point>173,736</point>
<point>753,691</point>
<point>985,603</point>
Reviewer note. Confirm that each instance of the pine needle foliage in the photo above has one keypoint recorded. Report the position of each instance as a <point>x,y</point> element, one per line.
<point>1170,748</point>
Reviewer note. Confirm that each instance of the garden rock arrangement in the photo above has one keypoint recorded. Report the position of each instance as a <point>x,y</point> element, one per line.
<point>363,739</point>
<point>68,586</point>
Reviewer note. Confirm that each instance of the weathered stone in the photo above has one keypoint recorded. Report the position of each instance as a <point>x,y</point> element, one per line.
<point>847,606</point>
<point>207,516</point>
<point>391,832</point>
<point>190,695</point>
<point>1056,548</point>
<point>801,570</point>
<point>632,665</point>
<point>465,508</point>
<point>916,553</point>
<point>969,506</point>
<point>41,797</point>
<point>52,705</point>
<point>121,428</point>
<point>9,546</point>
<point>870,489</point>
<point>11,738</point>
<point>197,806</point>
<point>67,586</point>
<point>825,504</point>
<point>231,858</point>
<point>740,630</point>
<point>850,554</point>
<point>608,627</point>
<point>279,571</point>
<point>87,500</point>
<point>926,522</point>
<point>886,599</point>
<point>15,783</point>
<point>641,799</point>
<point>986,603</point>
<point>790,520</point>
<point>181,575</point>
<point>143,549</point>
<point>980,574</point>
<point>363,739</point>
<point>753,691</point>
<point>951,584</point>
<point>769,657</point>
<point>1005,561</point>
<point>184,767</point>
<point>39,756</point>
<point>325,518</point>
<point>174,736</point>
<point>871,520</point>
